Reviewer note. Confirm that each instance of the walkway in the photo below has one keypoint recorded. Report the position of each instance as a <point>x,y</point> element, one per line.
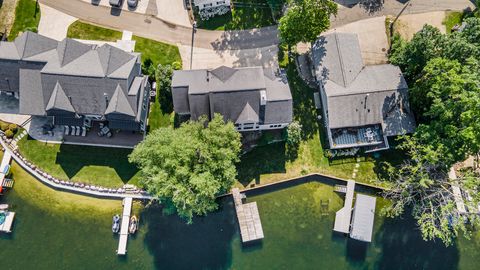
<point>343,216</point>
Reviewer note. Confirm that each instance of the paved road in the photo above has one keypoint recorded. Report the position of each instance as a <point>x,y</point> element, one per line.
<point>152,27</point>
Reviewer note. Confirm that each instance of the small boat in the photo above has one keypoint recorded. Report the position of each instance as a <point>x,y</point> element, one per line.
<point>3,206</point>
<point>116,224</point>
<point>133,225</point>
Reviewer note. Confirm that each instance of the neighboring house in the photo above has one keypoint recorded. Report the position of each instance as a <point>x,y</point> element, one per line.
<point>202,4</point>
<point>252,98</point>
<point>75,83</point>
<point>362,105</point>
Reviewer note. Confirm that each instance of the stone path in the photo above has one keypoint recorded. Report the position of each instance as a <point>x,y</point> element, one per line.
<point>17,139</point>
<point>355,170</point>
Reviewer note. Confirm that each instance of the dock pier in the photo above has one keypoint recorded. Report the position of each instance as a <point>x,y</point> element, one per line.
<point>248,218</point>
<point>127,210</point>
<point>4,168</point>
<point>343,216</point>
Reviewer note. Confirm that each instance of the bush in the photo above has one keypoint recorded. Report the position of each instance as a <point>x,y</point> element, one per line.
<point>4,126</point>
<point>294,133</point>
<point>9,134</point>
<point>13,128</point>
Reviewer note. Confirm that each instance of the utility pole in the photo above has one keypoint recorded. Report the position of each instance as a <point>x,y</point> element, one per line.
<point>194,30</point>
<point>408,3</point>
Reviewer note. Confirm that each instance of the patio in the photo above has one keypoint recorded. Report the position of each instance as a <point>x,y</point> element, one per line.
<point>119,139</point>
<point>350,137</point>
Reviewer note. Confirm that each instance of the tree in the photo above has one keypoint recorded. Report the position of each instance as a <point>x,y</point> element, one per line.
<point>304,20</point>
<point>422,184</point>
<point>186,168</point>
<point>446,99</point>
<point>164,75</point>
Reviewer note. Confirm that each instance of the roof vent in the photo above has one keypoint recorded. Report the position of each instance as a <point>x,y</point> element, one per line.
<point>263,98</point>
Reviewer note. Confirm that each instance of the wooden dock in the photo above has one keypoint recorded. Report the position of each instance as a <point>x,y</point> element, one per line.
<point>343,216</point>
<point>4,167</point>
<point>248,218</point>
<point>6,226</point>
<point>127,210</point>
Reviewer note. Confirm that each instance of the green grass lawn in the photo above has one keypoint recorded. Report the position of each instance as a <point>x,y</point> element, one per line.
<point>108,167</point>
<point>27,17</point>
<point>270,163</point>
<point>245,14</point>
<point>158,52</point>
<point>452,18</point>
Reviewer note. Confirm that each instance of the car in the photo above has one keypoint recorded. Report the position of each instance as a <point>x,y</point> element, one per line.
<point>116,3</point>
<point>132,3</point>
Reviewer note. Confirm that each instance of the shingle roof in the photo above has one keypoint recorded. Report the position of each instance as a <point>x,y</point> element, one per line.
<point>69,50</point>
<point>59,100</point>
<point>337,58</point>
<point>29,44</point>
<point>359,95</point>
<point>248,115</point>
<point>31,94</point>
<point>119,103</point>
<point>223,73</point>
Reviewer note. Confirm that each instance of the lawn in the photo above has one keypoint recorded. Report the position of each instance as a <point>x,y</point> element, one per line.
<point>27,17</point>
<point>157,52</point>
<point>107,167</point>
<point>452,18</point>
<point>245,14</point>
<point>270,163</point>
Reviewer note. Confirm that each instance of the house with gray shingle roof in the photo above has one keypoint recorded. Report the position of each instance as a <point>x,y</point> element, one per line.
<point>362,105</point>
<point>75,84</point>
<point>253,98</point>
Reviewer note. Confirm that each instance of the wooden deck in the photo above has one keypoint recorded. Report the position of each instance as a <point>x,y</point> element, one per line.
<point>7,158</point>
<point>343,216</point>
<point>248,218</point>
<point>127,210</point>
<point>6,226</point>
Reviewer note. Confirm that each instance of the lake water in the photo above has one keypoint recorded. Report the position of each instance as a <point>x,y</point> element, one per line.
<point>61,231</point>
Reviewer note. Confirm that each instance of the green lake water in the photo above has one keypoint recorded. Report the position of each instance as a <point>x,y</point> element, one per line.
<point>298,235</point>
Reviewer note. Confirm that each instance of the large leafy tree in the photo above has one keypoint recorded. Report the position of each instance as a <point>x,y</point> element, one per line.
<point>304,20</point>
<point>186,168</point>
<point>422,185</point>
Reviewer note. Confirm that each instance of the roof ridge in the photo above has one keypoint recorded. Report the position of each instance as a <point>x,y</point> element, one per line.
<point>342,66</point>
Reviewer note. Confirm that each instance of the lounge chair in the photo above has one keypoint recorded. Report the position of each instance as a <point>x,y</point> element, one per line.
<point>67,130</point>
<point>77,133</point>
<point>84,131</point>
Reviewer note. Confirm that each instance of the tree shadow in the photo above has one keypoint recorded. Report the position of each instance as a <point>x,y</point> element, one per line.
<point>371,6</point>
<point>205,244</point>
<point>261,160</point>
<point>403,247</point>
<point>73,158</point>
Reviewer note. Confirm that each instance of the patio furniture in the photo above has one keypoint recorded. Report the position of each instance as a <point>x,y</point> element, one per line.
<point>84,131</point>
<point>66,130</point>
<point>73,130</point>
<point>77,131</point>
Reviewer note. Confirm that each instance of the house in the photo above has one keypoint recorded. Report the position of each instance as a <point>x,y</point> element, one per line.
<point>75,84</point>
<point>203,4</point>
<point>362,105</point>
<point>253,98</point>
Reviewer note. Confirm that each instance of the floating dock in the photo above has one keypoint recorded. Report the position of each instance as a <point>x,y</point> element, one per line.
<point>6,225</point>
<point>343,216</point>
<point>363,218</point>
<point>248,218</point>
<point>4,168</point>
<point>127,210</point>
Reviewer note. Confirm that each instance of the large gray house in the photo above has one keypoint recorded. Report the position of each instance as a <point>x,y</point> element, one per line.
<point>253,98</point>
<point>75,84</point>
<point>362,105</point>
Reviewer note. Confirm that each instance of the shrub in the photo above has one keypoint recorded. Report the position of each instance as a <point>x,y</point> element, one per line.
<point>4,126</point>
<point>13,128</point>
<point>9,134</point>
<point>294,133</point>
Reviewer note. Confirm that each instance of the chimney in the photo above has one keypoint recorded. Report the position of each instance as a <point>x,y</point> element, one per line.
<point>106,99</point>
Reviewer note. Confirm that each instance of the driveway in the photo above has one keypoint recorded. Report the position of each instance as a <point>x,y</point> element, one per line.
<point>53,23</point>
<point>141,7</point>
<point>358,12</point>
<point>173,12</point>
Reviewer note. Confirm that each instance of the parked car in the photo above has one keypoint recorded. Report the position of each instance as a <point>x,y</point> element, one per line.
<point>116,3</point>
<point>132,3</point>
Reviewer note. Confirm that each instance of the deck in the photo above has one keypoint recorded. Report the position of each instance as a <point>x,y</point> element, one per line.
<point>343,216</point>
<point>248,218</point>
<point>127,210</point>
